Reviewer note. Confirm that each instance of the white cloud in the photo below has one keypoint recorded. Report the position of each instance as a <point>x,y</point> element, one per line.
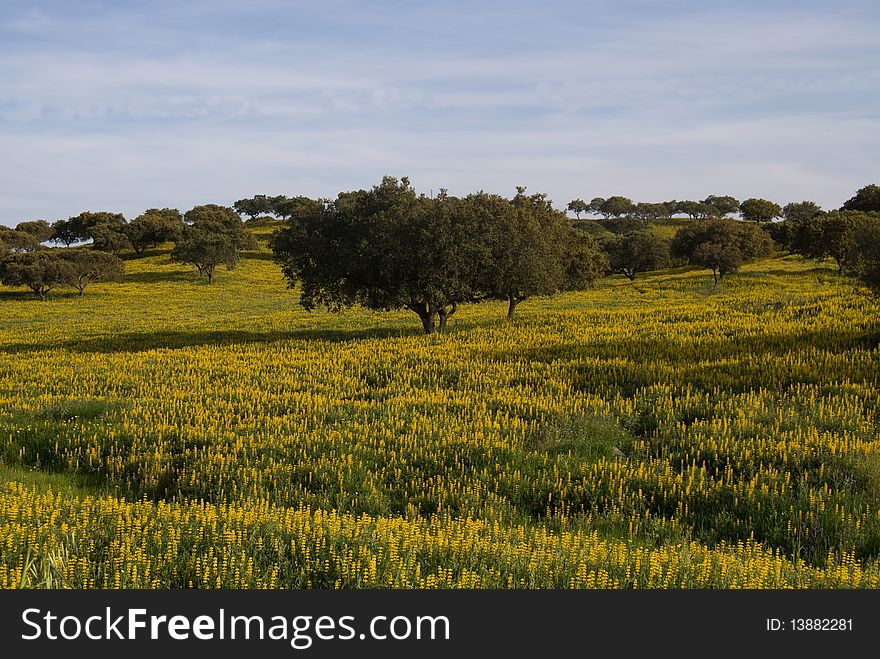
<point>742,101</point>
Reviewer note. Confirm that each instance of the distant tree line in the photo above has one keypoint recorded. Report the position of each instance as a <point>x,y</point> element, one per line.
<point>280,206</point>
<point>205,237</point>
<point>756,210</point>
<point>719,243</point>
<point>391,248</point>
<point>44,270</point>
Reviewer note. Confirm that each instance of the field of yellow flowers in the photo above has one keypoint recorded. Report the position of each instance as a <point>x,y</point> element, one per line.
<point>164,433</point>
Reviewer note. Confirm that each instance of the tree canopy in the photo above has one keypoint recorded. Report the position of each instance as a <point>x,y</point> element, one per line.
<point>578,206</point>
<point>39,229</point>
<point>154,227</point>
<point>390,248</point>
<point>723,204</point>
<point>721,244</point>
<point>15,240</point>
<point>89,265</point>
<point>647,211</point>
<point>824,235</point>
<point>759,210</point>
<point>638,251</point>
<point>866,251</point>
<point>384,248</point>
<point>801,211</point>
<point>41,271</point>
<point>532,249</point>
<point>80,228</point>
<point>695,209</point>
<point>616,206</point>
<point>257,205</point>
<point>110,237</point>
<point>214,235</point>
<point>867,200</point>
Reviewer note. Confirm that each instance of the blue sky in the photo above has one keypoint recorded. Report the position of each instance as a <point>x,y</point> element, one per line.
<point>124,106</point>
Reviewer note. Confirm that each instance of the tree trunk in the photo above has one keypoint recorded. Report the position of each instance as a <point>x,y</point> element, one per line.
<point>82,290</point>
<point>715,277</point>
<point>512,302</point>
<point>445,315</point>
<point>428,323</point>
<point>426,314</point>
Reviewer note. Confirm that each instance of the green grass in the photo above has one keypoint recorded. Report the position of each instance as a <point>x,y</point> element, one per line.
<point>65,484</point>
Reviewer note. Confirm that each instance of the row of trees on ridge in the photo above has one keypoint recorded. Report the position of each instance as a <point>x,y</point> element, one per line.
<point>867,199</point>
<point>390,248</point>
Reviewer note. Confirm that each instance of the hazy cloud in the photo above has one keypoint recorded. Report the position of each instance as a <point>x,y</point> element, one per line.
<point>129,105</point>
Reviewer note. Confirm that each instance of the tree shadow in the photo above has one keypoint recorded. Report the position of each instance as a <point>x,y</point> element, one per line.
<point>172,340</point>
<point>734,361</point>
<point>816,271</point>
<point>153,251</point>
<point>257,256</point>
<point>155,277</point>
<point>29,296</point>
<point>18,295</point>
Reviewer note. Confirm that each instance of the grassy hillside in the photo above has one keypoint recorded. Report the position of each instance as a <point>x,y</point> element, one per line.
<point>162,432</point>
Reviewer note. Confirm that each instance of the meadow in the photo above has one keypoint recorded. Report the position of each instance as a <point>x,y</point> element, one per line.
<point>164,433</point>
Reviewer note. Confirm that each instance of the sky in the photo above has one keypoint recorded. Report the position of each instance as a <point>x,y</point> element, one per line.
<point>123,106</point>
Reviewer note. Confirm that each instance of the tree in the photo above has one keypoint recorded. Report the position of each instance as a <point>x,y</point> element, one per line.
<point>285,207</point>
<point>39,229</point>
<point>646,211</point>
<point>385,248</point>
<point>721,244</point>
<point>578,206</point>
<point>79,228</point>
<point>866,200</point>
<point>90,265</point>
<point>724,205</point>
<point>288,207</point>
<point>109,237</point>
<point>780,233</point>
<point>205,251</point>
<point>635,252</point>
<point>154,227</point>
<point>759,210</point>
<point>801,211</point>
<point>625,224</point>
<point>827,235</point>
<point>41,271</point>
<point>213,213</point>
<point>532,249</point>
<point>696,209</point>
<point>616,206</point>
<point>14,240</point>
<point>214,235</point>
<point>866,251</point>
<point>255,206</point>
<point>584,262</point>
<point>596,204</point>
<point>68,232</point>
<point>211,219</point>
